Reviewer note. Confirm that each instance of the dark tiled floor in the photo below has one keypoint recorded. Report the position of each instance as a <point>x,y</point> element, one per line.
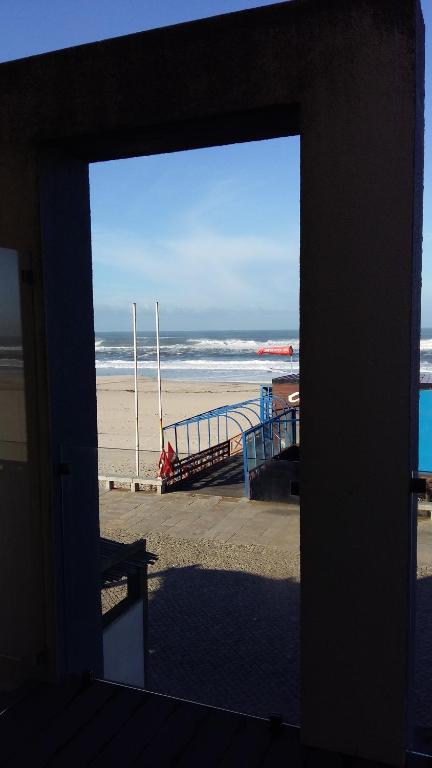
<point>77,723</point>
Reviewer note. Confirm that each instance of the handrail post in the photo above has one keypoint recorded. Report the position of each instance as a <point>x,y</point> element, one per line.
<point>245,465</point>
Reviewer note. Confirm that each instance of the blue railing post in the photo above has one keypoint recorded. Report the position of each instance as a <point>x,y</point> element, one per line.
<point>281,428</point>
<point>294,426</point>
<point>245,465</point>
<point>266,396</point>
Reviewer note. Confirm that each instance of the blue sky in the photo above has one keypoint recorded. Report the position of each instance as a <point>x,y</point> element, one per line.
<point>202,231</point>
<point>213,234</point>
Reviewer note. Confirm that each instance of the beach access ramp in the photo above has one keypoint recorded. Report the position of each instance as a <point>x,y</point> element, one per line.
<point>232,463</point>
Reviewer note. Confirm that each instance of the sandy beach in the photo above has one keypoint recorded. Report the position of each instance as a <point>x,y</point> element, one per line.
<point>180,399</point>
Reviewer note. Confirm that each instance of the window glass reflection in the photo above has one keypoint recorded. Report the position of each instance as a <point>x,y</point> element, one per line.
<point>12,394</point>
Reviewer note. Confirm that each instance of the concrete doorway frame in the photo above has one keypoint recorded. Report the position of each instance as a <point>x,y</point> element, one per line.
<point>347,75</point>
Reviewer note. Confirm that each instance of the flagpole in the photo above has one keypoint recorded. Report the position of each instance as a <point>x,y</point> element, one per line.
<point>136,391</point>
<point>161,436</point>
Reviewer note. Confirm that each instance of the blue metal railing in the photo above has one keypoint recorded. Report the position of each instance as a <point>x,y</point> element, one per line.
<point>271,403</point>
<point>208,429</point>
<point>264,441</point>
<point>266,402</point>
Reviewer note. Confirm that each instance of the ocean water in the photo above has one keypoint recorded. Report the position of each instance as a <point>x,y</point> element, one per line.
<point>209,355</point>
<point>11,354</point>
<point>206,355</point>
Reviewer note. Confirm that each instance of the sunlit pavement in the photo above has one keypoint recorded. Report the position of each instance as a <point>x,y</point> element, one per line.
<point>222,518</point>
<point>191,515</point>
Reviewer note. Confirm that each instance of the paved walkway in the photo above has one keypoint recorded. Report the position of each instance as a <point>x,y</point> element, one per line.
<point>189,515</point>
<point>225,599</point>
<point>197,515</point>
<point>223,596</point>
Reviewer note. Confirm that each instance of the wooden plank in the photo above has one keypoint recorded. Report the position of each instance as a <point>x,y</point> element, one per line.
<point>249,747</point>
<point>284,746</point>
<point>126,746</point>
<point>10,699</point>
<point>97,732</point>
<point>199,462</point>
<point>109,726</point>
<point>62,728</point>
<point>212,740</point>
<point>174,737</point>
<point>21,724</point>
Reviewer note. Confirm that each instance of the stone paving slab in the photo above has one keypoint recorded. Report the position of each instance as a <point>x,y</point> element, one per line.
<point>192,515</point>
<point>235,520</point>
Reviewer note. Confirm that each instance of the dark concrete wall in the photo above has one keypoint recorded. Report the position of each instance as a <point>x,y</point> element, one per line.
<point>347,75</point>
<point>360,286</point>
<point>272,481</point>
<point>68,299</point>
<point>139,93</point>
<point>27,643</point>
<point>49,599</point>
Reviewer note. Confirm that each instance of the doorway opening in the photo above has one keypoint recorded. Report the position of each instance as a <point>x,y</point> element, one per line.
<point>213,235</point>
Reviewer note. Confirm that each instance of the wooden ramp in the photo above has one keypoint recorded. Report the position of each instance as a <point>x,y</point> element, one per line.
<point>224,479</point>
<point>96,723</point>
<point>83,722</point>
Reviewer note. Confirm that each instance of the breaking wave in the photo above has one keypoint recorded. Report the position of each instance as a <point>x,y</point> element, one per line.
<point>212,355</point>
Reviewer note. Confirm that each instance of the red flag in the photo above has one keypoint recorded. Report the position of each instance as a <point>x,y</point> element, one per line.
<point>167,460</point>
<point>165,469</point>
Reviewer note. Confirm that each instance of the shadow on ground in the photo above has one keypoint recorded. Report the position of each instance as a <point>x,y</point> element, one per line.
<point>225,638</point>
<point>224,479</point>
<point>231,639</point>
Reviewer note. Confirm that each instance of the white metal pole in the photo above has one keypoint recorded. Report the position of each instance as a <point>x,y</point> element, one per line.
<point>136,391</point>
<point>161,436</point>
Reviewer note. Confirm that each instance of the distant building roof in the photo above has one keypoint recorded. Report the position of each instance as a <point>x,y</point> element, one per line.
<point>289,378</point>
<point>425,380</point>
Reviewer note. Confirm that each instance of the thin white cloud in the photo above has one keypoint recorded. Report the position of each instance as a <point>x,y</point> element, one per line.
<point>199,270</point>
